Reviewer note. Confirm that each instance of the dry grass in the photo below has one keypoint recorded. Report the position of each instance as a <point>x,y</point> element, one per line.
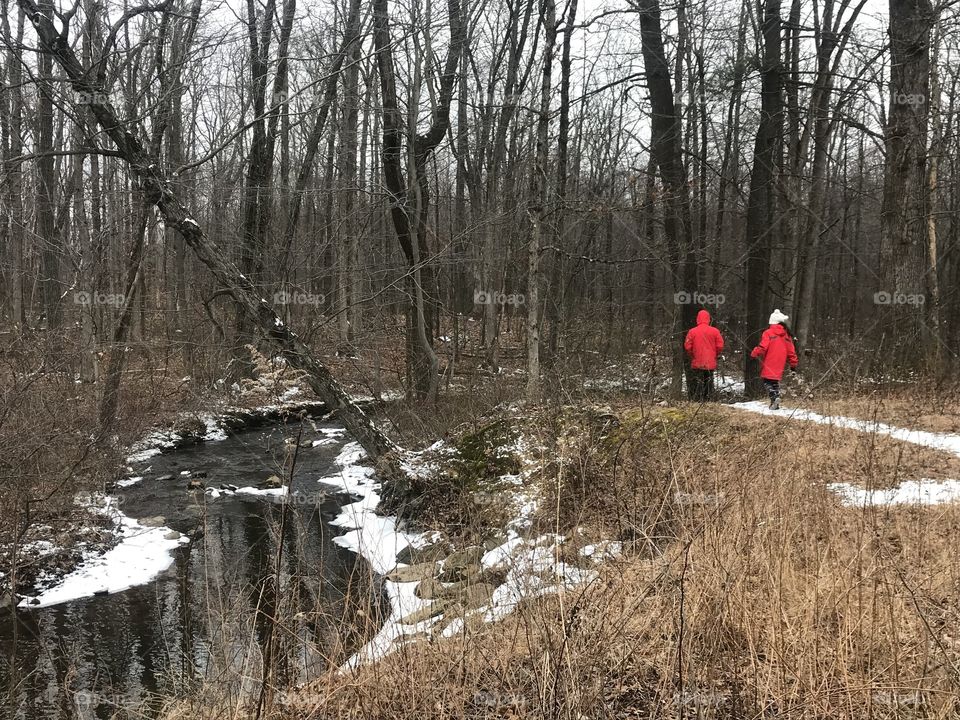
<point>922,407</point>
<point>768,598</point>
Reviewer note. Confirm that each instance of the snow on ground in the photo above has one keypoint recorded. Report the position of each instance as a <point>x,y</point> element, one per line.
<point>728,384</point>
<point>922,492</point>
<point>153,444</point>
<point>533,570</point>
<point>273,492</point>
<point>937,441</point>
<point>531,565</point>
<point>215,430</point>
<point>377,540</point>
<point>911,492</point>
<point>139,556</point>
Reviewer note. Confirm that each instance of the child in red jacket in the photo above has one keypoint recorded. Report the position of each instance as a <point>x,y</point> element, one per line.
<point>775,350</point>
<point>703,343</point>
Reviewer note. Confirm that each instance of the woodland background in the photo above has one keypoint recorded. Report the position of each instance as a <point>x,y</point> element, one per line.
<point>422,186</point>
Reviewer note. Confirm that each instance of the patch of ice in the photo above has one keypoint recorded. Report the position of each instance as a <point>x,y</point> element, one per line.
<point>129,481</point>
<point>262,492</point>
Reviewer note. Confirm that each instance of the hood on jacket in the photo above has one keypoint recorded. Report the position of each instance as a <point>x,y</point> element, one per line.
<point>777,317</point>
<point>703,318</point>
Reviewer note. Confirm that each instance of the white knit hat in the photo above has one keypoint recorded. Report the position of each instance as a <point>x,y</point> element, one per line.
<point>778,317</point>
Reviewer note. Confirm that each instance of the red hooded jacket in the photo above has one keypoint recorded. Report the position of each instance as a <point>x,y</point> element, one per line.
<point>703,343</point>
<point>776,349</point>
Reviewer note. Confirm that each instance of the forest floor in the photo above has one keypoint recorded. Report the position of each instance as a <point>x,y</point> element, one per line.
<point>728,563</point>
<point>746,587</point>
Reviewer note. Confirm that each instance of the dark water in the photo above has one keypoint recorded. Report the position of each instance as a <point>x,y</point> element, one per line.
<point>208,618</point>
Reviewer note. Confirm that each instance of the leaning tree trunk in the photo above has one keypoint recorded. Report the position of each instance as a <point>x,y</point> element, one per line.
<point>159,191</point>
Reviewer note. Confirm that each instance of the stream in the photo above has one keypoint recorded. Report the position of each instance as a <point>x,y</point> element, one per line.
<point>209,615</point>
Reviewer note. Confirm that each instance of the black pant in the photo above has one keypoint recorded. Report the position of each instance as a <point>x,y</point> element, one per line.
<point>701,385</point>
<point>773,388</point>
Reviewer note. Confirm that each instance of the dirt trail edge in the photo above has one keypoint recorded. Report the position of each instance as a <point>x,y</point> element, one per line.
<point>175,214</point>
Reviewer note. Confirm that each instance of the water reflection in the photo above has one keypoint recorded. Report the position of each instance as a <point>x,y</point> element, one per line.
<point>211,617</point>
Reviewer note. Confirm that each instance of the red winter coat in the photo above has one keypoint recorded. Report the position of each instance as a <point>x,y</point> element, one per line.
<point>703,343</point>
<point>776,349</point>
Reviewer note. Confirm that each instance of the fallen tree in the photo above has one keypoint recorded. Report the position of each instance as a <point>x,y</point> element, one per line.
<point>158,191</point>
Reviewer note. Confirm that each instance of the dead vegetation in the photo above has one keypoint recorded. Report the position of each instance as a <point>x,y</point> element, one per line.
<point>746,589</point>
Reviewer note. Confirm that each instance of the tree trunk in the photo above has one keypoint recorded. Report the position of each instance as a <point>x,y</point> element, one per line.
<point>539,209</point>
<point>762,203</point>
<point>904,210</point>
<point>47,188</point>
<point>665,147</point>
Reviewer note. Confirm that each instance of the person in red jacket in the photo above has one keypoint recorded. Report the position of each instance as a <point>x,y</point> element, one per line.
<point>775,350</point>
<point>703,344</point>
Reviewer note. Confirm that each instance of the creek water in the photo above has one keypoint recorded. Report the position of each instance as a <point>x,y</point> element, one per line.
<point>208,618</point>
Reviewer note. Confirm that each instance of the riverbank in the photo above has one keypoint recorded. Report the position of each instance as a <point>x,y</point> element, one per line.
<point>91,546</point>
<point>748,584</point>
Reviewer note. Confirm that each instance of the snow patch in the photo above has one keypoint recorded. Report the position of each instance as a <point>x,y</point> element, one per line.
<point>937,441</point>
<point>153,444</point>
<point>215,431</point>
<point>917,492</point>
<point>141,554</point>
<point>911,492</point>
<point>377,540</point>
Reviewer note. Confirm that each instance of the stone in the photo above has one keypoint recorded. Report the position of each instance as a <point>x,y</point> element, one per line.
<point>153,521</point>
<point>412,573</point>
<point>477,595</point>
<point>172,535</point>
<point>462,558</point>
<point>432,610</point>
<point>470,573</point>
<point>492,543</point>
<point>414,556</point>
<point>273,481</point>
<point>430,589</point>
<point>453,575</point>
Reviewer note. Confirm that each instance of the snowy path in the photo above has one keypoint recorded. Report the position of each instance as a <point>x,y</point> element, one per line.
<point>922,492</point>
